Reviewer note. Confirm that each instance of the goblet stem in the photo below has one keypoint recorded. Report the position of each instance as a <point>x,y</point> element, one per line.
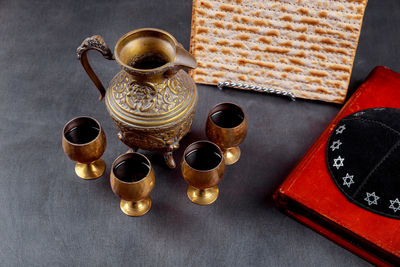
<point>136,208</point>
<point>203,196</point>
<point>91,170</point>
<point>231,155</point>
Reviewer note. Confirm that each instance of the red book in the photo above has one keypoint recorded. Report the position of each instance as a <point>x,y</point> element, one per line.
<point>310,195</point>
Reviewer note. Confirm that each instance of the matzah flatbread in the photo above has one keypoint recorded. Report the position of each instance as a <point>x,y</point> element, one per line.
<point>306,47</point>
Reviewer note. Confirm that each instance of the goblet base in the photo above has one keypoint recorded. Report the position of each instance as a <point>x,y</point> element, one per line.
<point>203,196</point>
<point>136,208</point>
<point>231,155</point>
<point>91,170</point>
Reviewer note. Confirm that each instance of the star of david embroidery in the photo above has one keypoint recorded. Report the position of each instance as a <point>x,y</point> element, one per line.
<point>348,180</point>
<point>359,113</point>
<point>394,207</point>
<point>338,162</point>
<point>335,145</point>
<point>369,200</point>
<point>340,129</point>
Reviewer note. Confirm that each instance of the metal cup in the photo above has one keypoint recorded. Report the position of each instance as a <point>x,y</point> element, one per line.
<point>203,168</point>
<point>84,141</point>
<point>227,127</point>
<point>132,179</point>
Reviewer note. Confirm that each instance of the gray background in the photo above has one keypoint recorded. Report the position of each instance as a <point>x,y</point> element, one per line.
<point>50,217</point>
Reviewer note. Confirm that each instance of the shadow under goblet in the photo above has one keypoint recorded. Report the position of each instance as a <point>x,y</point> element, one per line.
<point>227,127</point>
<point>132,179</point>
<point>84,141</point>
<point>203,168</point>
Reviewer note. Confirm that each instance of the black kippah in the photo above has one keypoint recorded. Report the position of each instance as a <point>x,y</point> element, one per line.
<point>363,157</point>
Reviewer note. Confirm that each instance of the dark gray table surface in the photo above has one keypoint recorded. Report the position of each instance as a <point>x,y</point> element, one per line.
<point>49,217</point>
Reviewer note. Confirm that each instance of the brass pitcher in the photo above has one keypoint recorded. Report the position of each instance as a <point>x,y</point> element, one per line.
<point>151,100</point>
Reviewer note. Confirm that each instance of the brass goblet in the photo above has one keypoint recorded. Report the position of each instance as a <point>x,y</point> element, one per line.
<point>203,168</point>
<point>132,179</point>
<point>227,127</point>
<point>84,141</point>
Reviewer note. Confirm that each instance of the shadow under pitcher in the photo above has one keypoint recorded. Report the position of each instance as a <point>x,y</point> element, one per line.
<point>152,100</point>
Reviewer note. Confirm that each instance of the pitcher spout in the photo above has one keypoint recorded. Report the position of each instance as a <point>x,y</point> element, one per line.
<point>184,59</point>
<point>151,52</point>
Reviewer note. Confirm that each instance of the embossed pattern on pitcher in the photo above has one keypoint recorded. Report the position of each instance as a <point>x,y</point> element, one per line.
<point>148,98</point>
<point>153,99</point>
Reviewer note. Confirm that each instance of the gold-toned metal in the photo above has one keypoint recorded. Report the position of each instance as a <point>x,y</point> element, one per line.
<point>152,106</point>
<point>135,200</point>
<point>227,138</point>
<point>203,183</point>
<point>92,170</point>
<point>205,196</point>
<point>87,155</point>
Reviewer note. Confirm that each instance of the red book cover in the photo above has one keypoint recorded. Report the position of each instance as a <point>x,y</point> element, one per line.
<point>310,195</point>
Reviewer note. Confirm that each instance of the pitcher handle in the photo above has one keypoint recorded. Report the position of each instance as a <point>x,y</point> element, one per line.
<point>96,42</point>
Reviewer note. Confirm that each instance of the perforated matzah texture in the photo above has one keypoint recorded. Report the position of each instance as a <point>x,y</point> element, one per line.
<point>306,47</point>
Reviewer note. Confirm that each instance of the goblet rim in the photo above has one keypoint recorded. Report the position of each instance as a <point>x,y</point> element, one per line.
<point>83,144</point>
<point>226,103</point>
<point>209,170</point>
<point>135,182</point>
